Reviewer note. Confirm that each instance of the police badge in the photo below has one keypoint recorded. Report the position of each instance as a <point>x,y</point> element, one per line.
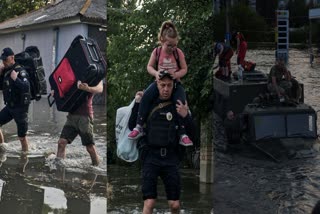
<point>169,116</point>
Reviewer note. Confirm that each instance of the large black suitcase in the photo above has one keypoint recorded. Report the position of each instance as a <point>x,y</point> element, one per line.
<point>281,122</point>
<point>83,61</point>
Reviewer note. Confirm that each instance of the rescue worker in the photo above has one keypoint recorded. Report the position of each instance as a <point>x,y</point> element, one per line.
<point>80,122</point>
<point>16,95</point>
<point>159,149</point>
<point>282,83</point>
<point>241,49</point>
<point>225,54</point>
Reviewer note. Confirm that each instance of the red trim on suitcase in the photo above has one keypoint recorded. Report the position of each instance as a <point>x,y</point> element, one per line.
<point>64,77</point>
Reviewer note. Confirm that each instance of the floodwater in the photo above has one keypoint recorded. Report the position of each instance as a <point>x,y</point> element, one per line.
<point>126,198</point>
<point>36,183</point>
<point>249,182</point>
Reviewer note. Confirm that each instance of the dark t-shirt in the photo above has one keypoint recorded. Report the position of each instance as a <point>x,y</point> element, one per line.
<point>85,108</point>
<point>278,72</point>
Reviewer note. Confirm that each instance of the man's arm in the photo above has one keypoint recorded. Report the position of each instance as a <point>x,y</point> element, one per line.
<point>183,111</point>
<point>91,89</point>
<point>21,82</point>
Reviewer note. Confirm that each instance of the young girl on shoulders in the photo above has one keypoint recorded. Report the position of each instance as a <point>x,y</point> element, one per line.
<point>168,57</point>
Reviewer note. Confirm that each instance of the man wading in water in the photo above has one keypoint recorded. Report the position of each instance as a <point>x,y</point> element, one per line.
<point>160,151</point>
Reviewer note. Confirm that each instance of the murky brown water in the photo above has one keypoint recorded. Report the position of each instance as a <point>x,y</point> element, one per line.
<point>247,183</point>
<point>36,184</point>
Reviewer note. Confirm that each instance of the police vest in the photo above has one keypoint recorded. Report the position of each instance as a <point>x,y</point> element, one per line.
<point>12,95</point>
<point>161,126</point>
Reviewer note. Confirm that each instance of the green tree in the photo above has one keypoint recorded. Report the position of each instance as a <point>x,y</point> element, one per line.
<point>12,8</point>
<point>134,35</point>
<point>243,18</point>
<point>298,13</point>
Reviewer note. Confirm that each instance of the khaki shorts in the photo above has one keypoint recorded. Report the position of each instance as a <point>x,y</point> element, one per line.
<point>78,125</point>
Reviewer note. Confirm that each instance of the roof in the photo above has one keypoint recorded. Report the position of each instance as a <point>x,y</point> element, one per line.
<point>91,11</point>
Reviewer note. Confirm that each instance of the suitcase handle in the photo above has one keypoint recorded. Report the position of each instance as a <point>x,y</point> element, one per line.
<point>51,102</point>
<point>93,52</point>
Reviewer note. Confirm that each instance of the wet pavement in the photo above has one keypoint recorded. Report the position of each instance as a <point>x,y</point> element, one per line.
<point>247,181</point>
<point>37,183</point>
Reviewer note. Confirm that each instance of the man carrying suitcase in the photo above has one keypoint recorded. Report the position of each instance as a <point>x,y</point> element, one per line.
<point>16,95</point>
<point>80,122</point>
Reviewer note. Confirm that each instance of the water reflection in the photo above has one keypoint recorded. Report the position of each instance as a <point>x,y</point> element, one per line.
<point>250,183</point>
<point>35,183</point>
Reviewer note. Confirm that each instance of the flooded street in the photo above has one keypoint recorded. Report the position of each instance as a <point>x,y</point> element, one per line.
<point>35,183</point>
<point>127,198</point>
<point>248,182</point>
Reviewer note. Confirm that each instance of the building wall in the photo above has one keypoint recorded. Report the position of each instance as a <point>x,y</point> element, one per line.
<point>67,34</point>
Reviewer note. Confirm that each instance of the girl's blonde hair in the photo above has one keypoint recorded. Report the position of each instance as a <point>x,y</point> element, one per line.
<point>167,29</point>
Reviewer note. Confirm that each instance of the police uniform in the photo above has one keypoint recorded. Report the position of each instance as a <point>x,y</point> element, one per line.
<point>16,95</point>
<point>160,151</point>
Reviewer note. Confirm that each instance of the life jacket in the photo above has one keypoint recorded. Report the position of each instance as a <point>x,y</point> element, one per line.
<point>12,95</point>
<point>218,46</point>
<point>175,54</point>
<point>248,65</point>
<point>161,126</point>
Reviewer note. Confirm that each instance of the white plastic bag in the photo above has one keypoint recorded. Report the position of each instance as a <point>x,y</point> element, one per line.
<point>126,148</point>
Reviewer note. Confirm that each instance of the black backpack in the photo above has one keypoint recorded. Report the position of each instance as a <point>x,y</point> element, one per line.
<point>31,60</point>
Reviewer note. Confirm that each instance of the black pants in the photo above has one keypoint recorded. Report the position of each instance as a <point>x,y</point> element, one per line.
<point>166,167</point>
<point>19,115</point>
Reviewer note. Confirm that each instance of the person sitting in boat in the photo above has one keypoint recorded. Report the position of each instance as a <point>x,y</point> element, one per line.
<point>282,83</point>
<point>225,53</point>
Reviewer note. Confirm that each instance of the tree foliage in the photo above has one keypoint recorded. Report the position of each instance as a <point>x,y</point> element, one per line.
<point>298,13</point>
<point>243,18</point>
<point>133,36</point>
<point>12,8</point>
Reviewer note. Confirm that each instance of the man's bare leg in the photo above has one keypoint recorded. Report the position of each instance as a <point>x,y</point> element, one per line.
<point>24,144</point>
<point>1,137</point>
<point>148,206</point>
<point>93,154</point>
<point>174,206</point>
<point>62,143</point>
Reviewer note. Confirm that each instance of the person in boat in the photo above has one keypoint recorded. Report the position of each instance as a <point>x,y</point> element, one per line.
<point>241,48</point>
<point>225,53</point>
<point>282,83</point>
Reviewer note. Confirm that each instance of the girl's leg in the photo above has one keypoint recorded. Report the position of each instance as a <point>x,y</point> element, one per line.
<point>180,94</point>
<point>149,95</point>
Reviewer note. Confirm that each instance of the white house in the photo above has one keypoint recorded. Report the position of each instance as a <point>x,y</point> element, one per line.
<point>53,27</point>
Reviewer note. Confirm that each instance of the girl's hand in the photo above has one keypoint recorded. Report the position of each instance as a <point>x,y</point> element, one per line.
<point>138,96</point>
<point>172,74</point>
<point>157,76</point>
